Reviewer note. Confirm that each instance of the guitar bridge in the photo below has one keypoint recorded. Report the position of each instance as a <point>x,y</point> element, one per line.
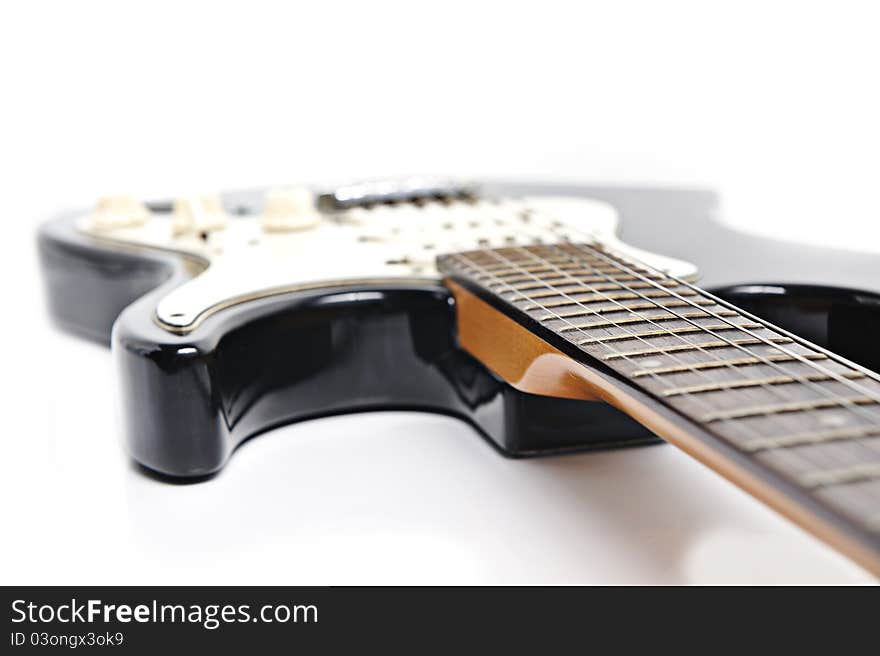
<point>415,190</point>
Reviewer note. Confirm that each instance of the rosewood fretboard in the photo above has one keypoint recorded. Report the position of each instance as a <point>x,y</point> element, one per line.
<point>801,413</point>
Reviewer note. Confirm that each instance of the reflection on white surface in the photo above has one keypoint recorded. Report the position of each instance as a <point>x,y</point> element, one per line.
<point>380,498</point>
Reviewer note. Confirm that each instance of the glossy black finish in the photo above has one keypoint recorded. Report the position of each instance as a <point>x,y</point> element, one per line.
<point>89,284</point>
<point>843,321</point>
<point>190,400</point>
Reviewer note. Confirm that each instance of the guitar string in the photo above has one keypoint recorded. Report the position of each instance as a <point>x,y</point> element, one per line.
<point>869,448</point>
<point>858,447</point>
<point>700,402</point>
<point>831,374</point>
<point>837,377</point>
<point>861,444</point>
<point>812,470</point>
<point>812,465</point>
<point>624,308</point>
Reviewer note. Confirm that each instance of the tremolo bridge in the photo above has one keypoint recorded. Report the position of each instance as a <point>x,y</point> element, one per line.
<point>417,190</point>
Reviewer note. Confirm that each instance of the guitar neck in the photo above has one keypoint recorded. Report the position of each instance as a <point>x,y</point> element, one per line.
<point>795,425</point>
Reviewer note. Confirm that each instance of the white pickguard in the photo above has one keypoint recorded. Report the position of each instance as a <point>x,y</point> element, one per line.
<point>387,243</point>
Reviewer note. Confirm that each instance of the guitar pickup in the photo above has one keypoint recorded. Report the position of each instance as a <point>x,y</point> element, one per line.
<point>417,190</point>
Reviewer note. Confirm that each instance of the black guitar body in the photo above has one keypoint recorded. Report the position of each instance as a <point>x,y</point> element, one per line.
<point>191,399</point>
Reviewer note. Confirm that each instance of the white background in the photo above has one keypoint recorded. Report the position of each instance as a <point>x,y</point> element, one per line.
<point>775,105</point>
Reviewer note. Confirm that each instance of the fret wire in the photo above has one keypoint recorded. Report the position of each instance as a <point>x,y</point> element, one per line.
<point>689,346</point>
<point>793,406</point>
<point>713,364</point>
<point>500,274</point>
<point>495,267</point>
<point>835,376</point>
<point>598,287</point>
<point>585,279</point>
<point>721,386</point>
<point>514,278</point>
<point>865,471</point>
<point>662,332</point>
<point>606,310</point>
<point>593,298</point>
<point>808,437</point>
<point>636,319</point>
<point>556,292</point>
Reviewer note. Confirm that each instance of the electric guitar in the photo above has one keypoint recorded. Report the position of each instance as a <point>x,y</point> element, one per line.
<point>550,319</point>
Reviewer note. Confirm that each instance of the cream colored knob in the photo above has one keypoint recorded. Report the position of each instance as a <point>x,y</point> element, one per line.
<point>119,212</point>
<point>290,209</point>
<point>200,214</point>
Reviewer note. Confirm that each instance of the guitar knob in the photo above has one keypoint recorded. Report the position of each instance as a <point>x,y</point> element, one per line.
<point>200,215</point>
<point>119,212</point>
<point>290,209</point>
